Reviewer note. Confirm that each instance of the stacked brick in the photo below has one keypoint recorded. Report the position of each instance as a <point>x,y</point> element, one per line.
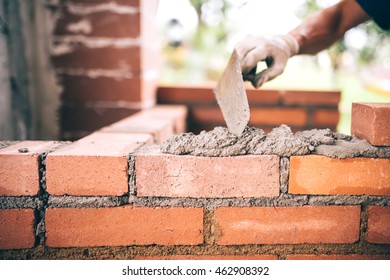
<point>371,121</point>
<point>112,194</point>
<point>106,58</point>
<point>300,110</point>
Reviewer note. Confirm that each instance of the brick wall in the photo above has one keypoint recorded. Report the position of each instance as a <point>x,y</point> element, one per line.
<point>105,55</point>
<point>299,109</point>
<point>113,195</point>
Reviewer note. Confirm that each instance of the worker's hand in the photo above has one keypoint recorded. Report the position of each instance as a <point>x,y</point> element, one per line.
<point>275,51</point>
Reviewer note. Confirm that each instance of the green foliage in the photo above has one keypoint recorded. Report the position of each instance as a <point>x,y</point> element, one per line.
<point>204,55</point>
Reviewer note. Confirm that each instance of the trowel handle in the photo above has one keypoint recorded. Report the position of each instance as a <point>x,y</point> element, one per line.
<point>250,76</point>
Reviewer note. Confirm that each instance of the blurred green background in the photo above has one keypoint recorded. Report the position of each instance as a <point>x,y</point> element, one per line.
<point>198,37</point>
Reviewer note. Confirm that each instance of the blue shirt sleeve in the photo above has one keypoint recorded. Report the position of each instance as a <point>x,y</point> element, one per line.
<point>378,10</point>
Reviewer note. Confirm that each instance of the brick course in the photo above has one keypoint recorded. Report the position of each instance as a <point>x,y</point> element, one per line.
<point>80,89</point>
<point>101,58</point>
<point>269,108</point>
<point>100,24</point>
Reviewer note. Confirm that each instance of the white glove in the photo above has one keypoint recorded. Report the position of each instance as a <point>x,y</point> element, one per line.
<point>275,51</point>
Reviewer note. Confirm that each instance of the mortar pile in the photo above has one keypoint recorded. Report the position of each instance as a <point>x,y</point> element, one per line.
<point>280,141</point>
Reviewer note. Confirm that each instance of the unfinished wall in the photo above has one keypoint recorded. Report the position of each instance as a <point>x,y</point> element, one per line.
<point>114,195</point>
<point>299,109</point>
<point>105,54</point>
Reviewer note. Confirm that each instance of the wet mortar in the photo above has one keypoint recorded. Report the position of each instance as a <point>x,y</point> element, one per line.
<point>220,142</point>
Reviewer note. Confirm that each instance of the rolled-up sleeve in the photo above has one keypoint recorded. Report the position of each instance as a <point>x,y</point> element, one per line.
<point>378,10</point>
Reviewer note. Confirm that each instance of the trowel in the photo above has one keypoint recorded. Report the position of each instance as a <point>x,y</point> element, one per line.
<point>231,96</point>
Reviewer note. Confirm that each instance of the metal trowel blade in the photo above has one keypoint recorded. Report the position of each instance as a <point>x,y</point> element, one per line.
<point>231,96</point>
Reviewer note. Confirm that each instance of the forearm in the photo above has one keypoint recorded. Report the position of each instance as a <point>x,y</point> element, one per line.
<point>323,29</point>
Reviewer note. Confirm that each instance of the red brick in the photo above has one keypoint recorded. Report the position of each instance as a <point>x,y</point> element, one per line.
<point>315,174</point>
<point>160,129</point>
<point>123,226</point>
<point>370,121</point>
<point>338,257</point>
<point>315,97</point>
<point>101,58</point>
<point>186,94</point>
<point>378,225</point>
<point>135,60</point>
<point>287,225</point>
<point>103,24</point>
<point>19,172</point>
<point>95,165</point>
<point>17,229</point>
<point>259,116</point>
<point>204,94</point>
<point>263,96</point>
<point>208,257</point>
<point>138,91</point>
<point>325,117</point>
<point>77,117</point>
<point>278,116</point>
<point>191,176</point>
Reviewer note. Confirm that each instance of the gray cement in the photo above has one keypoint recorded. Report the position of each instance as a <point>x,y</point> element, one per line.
<point>284,174</point>
<point>18,202</point>
<point>208,203</point>
<point>280,141</point>
<point>87,201</point>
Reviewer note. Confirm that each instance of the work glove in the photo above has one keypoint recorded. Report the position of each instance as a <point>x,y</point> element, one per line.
<point>275,51</point>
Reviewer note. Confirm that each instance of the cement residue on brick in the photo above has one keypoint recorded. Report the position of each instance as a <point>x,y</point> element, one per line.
<point>280,141</point>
